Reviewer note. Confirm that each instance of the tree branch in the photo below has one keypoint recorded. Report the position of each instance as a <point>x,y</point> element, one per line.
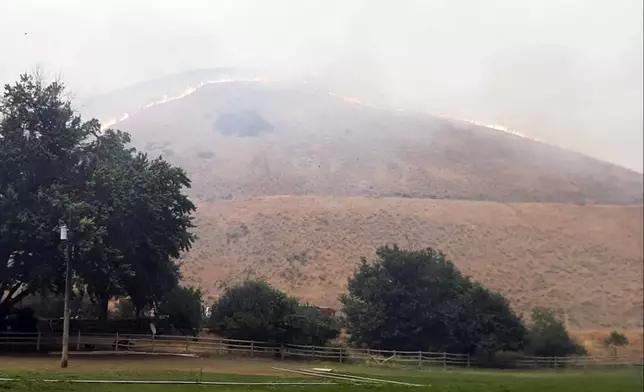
<point>8,300</point>
<point>18,298</point>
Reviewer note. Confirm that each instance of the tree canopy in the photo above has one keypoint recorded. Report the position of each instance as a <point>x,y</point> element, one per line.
<point>183,306</point>
<point>253,310</point>
<point>127,216</point>
<point>418,300</point>
<point>614,340</point>
<point>548,337</point>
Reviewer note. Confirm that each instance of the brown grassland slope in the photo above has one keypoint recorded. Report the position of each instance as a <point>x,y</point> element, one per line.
<point>593,340</point>
<point>300,142</point>
<point>294,185</point>
<point>585,261</point>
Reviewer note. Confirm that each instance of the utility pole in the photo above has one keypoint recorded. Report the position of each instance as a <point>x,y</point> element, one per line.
<point>68,288</point>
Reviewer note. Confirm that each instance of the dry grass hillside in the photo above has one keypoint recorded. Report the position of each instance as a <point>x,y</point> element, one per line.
<point>584,260</point>
<point>356,177</point>
<point>241,140</point>
<point>593,340</point>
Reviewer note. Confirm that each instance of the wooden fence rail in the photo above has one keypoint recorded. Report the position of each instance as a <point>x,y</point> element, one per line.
<point>205,346</point>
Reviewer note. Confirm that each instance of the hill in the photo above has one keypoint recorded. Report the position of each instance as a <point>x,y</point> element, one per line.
<point>295,184</point>
<point>249,139</point>
<point>584,260</point>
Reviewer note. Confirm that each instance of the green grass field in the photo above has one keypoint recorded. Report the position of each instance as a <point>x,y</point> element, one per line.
<point>30,370</point>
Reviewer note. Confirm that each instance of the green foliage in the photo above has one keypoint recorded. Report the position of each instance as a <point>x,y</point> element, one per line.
<point>615,340</point>
<point>144,222</point>
<point>310,327</point>
<point>127,216</point>
<point>50,306</point>
<point>455,380</point>
<point>41,143</point>
<point>548,337</point>
<point>125,309</point>
<point>184,308</point>
<point>253,310</point>
<point>418,300</point>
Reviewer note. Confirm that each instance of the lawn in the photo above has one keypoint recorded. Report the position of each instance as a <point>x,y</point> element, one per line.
<point>258,371</point>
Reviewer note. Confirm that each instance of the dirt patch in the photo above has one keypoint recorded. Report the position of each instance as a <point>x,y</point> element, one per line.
<point>140,364</point>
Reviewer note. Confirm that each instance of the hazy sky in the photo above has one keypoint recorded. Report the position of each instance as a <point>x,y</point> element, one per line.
<point>565,71</point>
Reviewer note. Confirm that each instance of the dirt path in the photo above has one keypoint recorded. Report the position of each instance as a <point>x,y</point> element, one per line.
<point>139,364</point>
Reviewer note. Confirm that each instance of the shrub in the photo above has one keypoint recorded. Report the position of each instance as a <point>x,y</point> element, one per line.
<point>548,337</point>
<point>615,340</point>
<point>183,307</point>
<point>311,327</point>
<point>125,308</point>
<point>254,310</point>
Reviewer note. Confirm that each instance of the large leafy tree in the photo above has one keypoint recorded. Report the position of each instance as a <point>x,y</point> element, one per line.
<point>413,300</point>
<point>158,233</point>
<point>42,143</point>
<point>144,225</point>
<point>129,219</point>
<point>481,321</point>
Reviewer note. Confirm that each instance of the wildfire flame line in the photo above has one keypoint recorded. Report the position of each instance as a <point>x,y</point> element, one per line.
<point>192,89</point>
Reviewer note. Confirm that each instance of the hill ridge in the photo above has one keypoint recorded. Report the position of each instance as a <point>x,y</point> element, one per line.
<point>295,185</point>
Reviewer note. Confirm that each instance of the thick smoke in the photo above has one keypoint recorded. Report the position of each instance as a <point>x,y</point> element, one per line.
<point>568,72</point>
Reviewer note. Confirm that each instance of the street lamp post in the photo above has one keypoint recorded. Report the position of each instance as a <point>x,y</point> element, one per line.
<point>68,289</point>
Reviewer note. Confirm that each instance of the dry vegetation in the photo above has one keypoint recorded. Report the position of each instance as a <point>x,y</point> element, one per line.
<point>584,260</point>
<point>322,145</point>
<point>593,340</point>
<point>581,258</point>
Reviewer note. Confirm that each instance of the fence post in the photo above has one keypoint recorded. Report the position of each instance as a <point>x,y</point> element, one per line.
<point>341,351</point>
<point>444,360</point>
<point>282,350</point>
<point>555,362</point>
<point>116,345</point>
<point>153,339</point>
<point>420,359</point>
<point>313,352</point>
<point>78,340</point>
<point>187,347</point>
<point>252,348</point>
<point>38,342</point>
<point>468,361</point>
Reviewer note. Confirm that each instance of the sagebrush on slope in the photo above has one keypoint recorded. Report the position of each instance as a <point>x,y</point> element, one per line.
<point>585,261</point>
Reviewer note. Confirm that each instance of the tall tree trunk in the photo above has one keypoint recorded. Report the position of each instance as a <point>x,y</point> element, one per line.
<point>103,303</point>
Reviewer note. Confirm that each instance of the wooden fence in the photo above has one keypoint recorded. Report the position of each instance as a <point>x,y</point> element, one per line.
<point>203,346</point>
